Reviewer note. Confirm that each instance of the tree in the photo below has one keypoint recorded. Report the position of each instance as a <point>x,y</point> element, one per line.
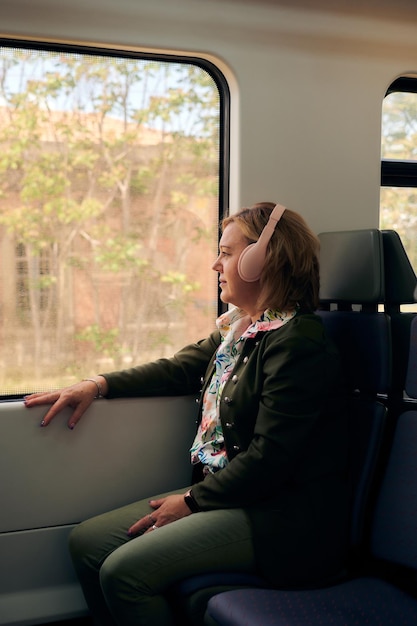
<point>102,162</point>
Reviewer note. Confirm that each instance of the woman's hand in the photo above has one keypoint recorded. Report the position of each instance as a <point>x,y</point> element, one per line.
<point>78,397</point>
<point>167,510</point>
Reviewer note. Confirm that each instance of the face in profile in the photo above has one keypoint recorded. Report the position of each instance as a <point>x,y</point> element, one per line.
<point>234,290</point>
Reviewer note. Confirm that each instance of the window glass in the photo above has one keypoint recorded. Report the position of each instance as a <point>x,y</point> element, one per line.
<point>398,211</point>
<point>109,209</point>
<point>399,126</point>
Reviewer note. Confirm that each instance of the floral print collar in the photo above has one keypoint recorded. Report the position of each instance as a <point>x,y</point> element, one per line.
<point>240,323</point>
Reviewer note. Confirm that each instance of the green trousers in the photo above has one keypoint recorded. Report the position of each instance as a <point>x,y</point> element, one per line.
<point>128,581</point>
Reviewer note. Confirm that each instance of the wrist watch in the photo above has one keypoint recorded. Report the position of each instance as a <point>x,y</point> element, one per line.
<point>190,502</point>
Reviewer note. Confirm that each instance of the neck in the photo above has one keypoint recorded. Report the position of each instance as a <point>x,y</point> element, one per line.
<point>255,316</point>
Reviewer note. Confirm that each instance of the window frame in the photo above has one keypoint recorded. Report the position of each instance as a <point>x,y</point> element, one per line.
<point>179,58</point>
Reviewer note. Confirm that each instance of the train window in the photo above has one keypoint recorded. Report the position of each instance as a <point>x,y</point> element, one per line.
<point>113,171</point>
<point>398,206</point>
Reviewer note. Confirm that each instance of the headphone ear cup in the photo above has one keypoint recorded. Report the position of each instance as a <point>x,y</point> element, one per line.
<point>251,262</point>
<point>252,258</point>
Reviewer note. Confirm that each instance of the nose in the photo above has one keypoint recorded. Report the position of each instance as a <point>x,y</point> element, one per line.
<point>216,265</point>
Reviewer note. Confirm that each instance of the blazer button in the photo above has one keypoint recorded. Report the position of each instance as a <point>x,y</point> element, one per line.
<point>235,379</point>
<point>246,359</point>
<point>236,448</point>
<point>228,400</point>
<point>197,400</point>
<point>229,425</point>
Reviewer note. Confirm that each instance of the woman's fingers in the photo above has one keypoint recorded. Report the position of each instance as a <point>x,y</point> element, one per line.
<point>166,511</point>
<point>78,397</point>
<point>44,397</point>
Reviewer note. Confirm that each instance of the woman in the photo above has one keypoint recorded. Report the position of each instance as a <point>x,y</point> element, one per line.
<point>269,493</point>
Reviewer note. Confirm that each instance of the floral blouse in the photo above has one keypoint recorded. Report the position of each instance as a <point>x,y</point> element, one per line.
<point>235,327</point>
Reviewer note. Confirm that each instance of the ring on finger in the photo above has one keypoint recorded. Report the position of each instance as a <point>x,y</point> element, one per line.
<point>155,527</point>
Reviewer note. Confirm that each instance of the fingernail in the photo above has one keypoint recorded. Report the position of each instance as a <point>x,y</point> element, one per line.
<point>71,426</point>
<point>42,423</point>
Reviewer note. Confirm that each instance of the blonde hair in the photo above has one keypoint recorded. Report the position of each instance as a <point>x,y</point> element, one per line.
<point>290,276</point>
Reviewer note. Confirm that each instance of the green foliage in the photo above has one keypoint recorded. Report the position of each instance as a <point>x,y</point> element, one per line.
<point>104,342</point>
<point>180,280</point>
<point>118,253</point>
<point>94,150</point>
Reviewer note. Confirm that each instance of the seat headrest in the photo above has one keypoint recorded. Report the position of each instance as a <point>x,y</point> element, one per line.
<point>352,267</point>
<point>400,278</point>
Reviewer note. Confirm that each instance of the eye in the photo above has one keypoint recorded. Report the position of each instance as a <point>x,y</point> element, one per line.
<point>223,253</point>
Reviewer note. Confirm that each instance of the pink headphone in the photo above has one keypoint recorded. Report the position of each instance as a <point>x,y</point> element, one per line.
<point>252,258</point>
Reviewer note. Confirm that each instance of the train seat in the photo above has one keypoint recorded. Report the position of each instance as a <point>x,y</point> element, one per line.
<point>384,590</point>
<point>352,275</point>
<point>387,593</point>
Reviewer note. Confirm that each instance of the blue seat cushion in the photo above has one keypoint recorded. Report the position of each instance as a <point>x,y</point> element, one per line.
<point>356,602</point>
<point>190,585</point>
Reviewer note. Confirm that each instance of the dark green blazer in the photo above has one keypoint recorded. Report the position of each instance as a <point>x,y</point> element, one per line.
<point>284,423</point>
